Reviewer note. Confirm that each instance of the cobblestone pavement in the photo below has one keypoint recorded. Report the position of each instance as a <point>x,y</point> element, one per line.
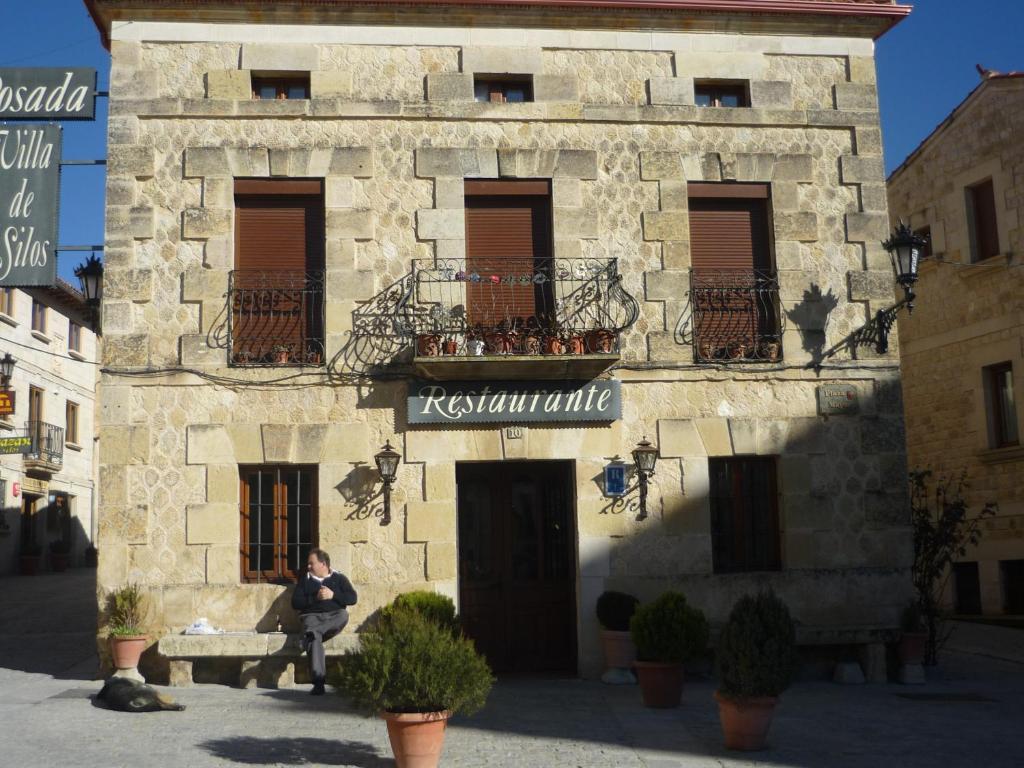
<point>969,714</point>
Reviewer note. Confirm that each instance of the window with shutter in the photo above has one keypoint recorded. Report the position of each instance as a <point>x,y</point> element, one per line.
<point>277,285</point>
<point>508,233</point>
<point>744,514</point>
<point>981,201</point>
<point>733,286</point>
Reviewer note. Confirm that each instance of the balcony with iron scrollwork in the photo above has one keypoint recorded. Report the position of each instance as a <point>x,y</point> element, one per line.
<point>733,316</point>
<point>276,318</point>
<point>47,451</point>
<point>515,317</point>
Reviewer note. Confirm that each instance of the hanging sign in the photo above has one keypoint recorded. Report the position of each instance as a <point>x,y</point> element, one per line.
<point>6,402</point>
<point>615,480</point>
<point>48,93</point>
<point>29,184</point>
<point>15,445</point>
<point>475,402</point>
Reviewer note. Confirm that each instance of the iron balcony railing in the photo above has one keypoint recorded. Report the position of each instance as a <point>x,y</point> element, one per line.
<point>276,318</point>
<point>734,316</point>
<point>47,443</point>
<point>516,305</point>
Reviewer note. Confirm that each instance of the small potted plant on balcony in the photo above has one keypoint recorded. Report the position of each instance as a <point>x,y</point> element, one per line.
<point>313,356</point>
<point>614,612</point>
<point>475,341</point>
<point>737,350</point>
<point>450,346</point>
<point>575,343</point>
<point>532,338</point>
<point>280,353</point>
<point>600,341</point>
<point>60,555</point>
<point>769,350</point>
<point>428,344</point>
<point>667,633</point>
<point>125,608</point>
<point>415,674</point>
<point>756,658</point>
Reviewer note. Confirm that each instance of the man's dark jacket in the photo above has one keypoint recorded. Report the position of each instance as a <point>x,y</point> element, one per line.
<point>304,598</point>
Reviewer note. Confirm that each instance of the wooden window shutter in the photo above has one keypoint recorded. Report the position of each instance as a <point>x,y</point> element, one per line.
<point>728,234</point>
<point>507,235</point>
<point>986,231</point>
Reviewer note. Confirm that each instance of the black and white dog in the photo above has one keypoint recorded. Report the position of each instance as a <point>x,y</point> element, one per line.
<point>126,695</point>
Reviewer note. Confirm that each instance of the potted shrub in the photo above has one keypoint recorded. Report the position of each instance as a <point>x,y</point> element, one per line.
<point>614,611</point>
<point>60,555</point>
<point>667,632</point>
<point>913,641</point>
<point>28,559</point>
<point>436,607</point>
<point>756,659</point>
<point>125,609</point>
<point>415,674</point>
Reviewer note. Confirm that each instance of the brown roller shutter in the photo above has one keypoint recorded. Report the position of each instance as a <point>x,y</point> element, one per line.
<point>508,238</point>
<point>728,234</point>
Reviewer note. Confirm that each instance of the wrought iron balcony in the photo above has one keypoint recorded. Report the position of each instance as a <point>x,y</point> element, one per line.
<point>734,316</point>
<point>514,310</point>
<point>276,318</point>
<point>47,452</point>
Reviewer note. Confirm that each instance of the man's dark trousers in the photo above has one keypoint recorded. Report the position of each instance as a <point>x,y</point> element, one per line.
<point>318,627</point>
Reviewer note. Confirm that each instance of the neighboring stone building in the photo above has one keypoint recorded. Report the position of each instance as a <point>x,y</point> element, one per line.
<point>313,206</point>
<point>47,490</point>
<point>963,348</point>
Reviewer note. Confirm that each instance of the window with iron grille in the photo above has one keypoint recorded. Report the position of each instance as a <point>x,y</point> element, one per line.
<point>721,93</point>
<point>1002,408</point>
<point>277,287</point>
<point>291,87</point>
<point>981,218</point>
<point>499,89</point>
<point>744,514</point>
<point>279,517</point>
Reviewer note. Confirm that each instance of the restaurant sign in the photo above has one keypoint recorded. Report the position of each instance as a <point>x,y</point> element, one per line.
<point>48,93</point>
<point>15,445</point>
<point>473,402</point>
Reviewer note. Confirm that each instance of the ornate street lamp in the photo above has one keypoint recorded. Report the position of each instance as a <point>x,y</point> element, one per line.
<point>90,275</point>
<point>645,456</point>
<point>904,247</point>
<point>387,465</point>
<point>6,370</point>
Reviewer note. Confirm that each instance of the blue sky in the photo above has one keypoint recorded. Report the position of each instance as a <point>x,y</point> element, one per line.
<point>925,68</point>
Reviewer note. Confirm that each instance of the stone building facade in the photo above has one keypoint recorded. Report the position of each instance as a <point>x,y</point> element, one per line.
<point>48,489</point>
<point>392,130</point>
<point>962,348</point>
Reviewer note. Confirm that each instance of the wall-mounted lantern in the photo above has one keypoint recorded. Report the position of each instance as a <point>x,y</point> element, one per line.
<point>905,247</point>
<point>645,456</point>
<point>90,275</point>
<point>387,465</point>
<point>6,370</point>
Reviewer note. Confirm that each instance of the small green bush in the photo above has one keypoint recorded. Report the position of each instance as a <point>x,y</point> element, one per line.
<point>408,663</point>
<point>125,611</point>
<point>615,609</point>
<point>669,630</point>
<point>437,608</point>
<point>756,652</point>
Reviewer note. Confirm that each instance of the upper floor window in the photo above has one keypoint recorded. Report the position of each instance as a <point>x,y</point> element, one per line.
<point>7,301</point>
<point>74,337</point>
<point>1002,410</point>
<point>926,233</point>
<point>744,514</point>
<point>290,87</point>
<point>279,520</point>
<point>981,220</point>
<point>38,316</point>
<point>277,296</point>
<point>721,93</point>
<point>500,89</point>
<point>71,422</point>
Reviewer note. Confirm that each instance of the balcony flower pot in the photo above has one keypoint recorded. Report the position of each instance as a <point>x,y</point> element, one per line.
<point>600,341</point>
<point>756,659</point>
<point>553,345</point>
<point>451,347</point>
<point>770,351</point>
<point>496,342</point>
<point>667,633</point>
<point>415,674</point>
<point>280,355</point>
<point>737,350</point>
<point>532,343</point>
<point>707,350</point>
<point>575,344</point>
<point>313,357</point>
<point>475,347</point>
<point>428,344</point>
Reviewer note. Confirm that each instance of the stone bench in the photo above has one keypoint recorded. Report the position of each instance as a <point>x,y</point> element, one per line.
<point>266,657</point>
<point>870,641</point>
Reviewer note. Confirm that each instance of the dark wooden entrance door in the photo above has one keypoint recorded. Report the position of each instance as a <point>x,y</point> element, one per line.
<point>517,564</point>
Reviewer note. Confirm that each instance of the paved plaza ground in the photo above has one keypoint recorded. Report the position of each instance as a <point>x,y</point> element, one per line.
<point>971,713</point>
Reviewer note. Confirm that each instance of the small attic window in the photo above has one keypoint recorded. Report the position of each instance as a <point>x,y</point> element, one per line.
<point>721,93</point>
<point>278,86</point>
<point>500,89</point>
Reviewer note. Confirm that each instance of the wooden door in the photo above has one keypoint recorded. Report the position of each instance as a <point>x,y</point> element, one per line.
<point>517,564</point>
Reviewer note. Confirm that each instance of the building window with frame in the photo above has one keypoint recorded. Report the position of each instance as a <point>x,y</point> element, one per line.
<point>7,302</point>
<point>74,337</point>
<point>981,220</point>
<point>1001,406</point>
<point>721,93</point>
<point>38,317</point>
<point>71,423</point>
<point>280,88</point>
<point>279,518</point>
<point>501,89</point>
<point>744,514</point>
<point>926,234</point>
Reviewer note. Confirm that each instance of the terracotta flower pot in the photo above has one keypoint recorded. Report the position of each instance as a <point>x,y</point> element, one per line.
<point>911,647</point>
<point>661,684</point>
<point>601,341</point>
<point>126,650</point>
<point>745,722</point>
<point>553,346</point>
<point>531,344</point>
<point>451,347</point>
<point>416,738</point>
<point>619,649</point>
<point>428,345</point>
<point>575,344</point>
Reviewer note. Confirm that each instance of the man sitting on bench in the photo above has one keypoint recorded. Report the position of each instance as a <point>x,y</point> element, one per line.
<point>320,598</point>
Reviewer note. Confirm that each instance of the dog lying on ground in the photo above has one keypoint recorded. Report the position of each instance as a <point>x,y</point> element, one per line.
<point>126,695</point>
